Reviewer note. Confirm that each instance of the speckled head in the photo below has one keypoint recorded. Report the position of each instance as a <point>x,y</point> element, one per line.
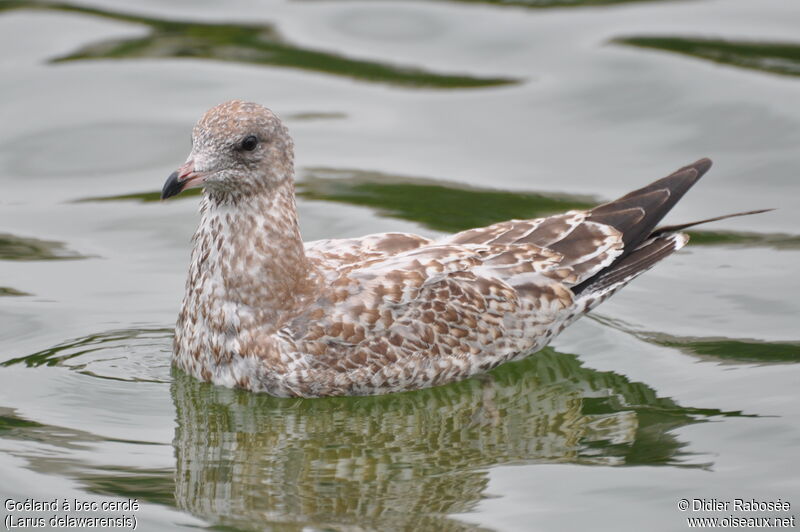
<point>238,149</point>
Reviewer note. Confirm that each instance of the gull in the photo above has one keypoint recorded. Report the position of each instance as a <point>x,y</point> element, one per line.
<point>389,312</point>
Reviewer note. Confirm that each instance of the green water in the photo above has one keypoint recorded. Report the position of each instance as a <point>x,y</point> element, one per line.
<point>429,117</point>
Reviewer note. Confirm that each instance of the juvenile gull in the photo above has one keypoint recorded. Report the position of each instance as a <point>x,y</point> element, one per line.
<point>388,312</point>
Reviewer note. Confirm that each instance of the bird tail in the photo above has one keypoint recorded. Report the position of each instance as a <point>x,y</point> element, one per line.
<point>636,216</point>
<point>680,227</point>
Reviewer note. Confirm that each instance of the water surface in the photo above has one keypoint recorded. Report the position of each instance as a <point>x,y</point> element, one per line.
<point>429,117</point>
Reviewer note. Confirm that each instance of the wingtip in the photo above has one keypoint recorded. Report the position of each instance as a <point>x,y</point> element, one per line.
<point>704,163</point>
<point>701,166</point>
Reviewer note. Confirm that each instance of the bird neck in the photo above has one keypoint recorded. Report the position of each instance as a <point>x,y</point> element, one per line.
<point>249,253</point>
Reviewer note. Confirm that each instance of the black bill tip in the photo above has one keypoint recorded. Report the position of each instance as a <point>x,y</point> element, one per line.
<point>172,187</point>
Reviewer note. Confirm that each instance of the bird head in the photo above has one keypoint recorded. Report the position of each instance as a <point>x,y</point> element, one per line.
<point>238,149</point>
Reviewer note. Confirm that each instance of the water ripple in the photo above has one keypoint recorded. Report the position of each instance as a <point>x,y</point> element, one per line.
<point>133,355</point>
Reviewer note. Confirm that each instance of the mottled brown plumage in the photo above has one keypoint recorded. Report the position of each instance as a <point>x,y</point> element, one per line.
<point>387,312</point>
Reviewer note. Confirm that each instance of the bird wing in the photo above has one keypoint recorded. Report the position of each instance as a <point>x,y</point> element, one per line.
<point>440,311</point>
<point>585,246</point>
<point>424,313</point>
<point>344,254</point>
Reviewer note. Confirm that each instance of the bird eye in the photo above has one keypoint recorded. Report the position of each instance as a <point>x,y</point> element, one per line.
<point>249,143</point>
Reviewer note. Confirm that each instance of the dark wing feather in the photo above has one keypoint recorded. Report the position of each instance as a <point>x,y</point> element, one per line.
<point>633,264</point>
<point>637,213</point>
<point>636,216</point>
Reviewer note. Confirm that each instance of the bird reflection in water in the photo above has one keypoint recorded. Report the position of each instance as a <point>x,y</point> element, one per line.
<point>409,460</point>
